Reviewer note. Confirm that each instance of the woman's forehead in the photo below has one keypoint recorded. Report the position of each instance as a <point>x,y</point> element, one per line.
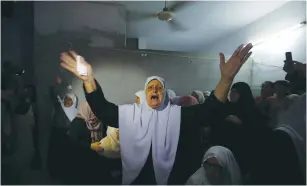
<point>154,82</point>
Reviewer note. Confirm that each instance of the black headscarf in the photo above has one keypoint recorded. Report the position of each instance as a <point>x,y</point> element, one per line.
<point>246,98</point>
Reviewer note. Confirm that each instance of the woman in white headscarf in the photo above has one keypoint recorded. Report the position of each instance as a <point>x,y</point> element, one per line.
<point>219,167</point>
<point>199,96</point>
<point>155,138</point>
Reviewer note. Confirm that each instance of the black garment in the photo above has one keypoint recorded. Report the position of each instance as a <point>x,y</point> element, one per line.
<point>75,164</point>
<point>189,153</point>
<point>244,141</point>
<point>79,133</point>
<point>278,162</point>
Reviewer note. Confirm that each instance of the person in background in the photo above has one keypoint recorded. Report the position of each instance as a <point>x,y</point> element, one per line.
<point>238,130</point>
<point>278,102</point>
<point>285,157</point>
<point>184,101</point>
<point>171,94</point>
<point>267,90</point>
<point>199,96</point>
<point>206,94</point>
<point>66,110</point>
<point>296,75</point>
<point>242,104</point>
<point>86,127</point>
<point>219,167</point>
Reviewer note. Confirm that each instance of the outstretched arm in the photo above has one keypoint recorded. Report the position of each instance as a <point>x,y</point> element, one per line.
<point>214,107</point>
<point>105,111</point>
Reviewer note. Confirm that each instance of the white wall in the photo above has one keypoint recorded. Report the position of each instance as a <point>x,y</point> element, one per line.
<point>270,55</point>
<point>53,17</point>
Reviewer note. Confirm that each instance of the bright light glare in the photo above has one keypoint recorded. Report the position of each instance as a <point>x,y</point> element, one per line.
<point>279,38</point>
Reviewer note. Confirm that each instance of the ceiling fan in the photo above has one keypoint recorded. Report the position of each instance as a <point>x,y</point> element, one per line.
<point>164,15</point>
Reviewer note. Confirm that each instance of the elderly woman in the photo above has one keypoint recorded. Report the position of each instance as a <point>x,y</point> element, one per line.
<point>156,138</point>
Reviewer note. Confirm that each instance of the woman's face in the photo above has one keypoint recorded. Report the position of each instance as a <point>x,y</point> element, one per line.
<point>213,171</point>
<point>137,100</point>
<point>68,101</point>
<point>154,93</point>
<point>234,96</point>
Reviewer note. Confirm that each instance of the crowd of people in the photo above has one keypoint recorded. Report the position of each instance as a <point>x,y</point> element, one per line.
<point>221,137</point>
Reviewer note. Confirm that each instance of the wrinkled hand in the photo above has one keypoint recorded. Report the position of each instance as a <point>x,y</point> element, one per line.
<point>96,147</point>
<point>68,62</point>
<point>233,119</point>
<point>230,69</point>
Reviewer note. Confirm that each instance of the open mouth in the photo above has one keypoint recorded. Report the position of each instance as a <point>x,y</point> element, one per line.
<point>155,97</point>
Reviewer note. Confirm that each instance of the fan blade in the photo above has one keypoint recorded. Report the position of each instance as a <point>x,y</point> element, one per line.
<point>138,16</point>
<point>176,26</point>
<point>177,6</point>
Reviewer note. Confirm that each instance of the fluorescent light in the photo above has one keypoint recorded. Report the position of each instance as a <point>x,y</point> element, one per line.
<point>280,34</point>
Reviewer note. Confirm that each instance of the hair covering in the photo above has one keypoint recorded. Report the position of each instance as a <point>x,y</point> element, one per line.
<point>92,122</point>
<point>171,94</point>
<point>110,143</point>
<point>184,101</point>
<point>294,123</point>
<point>207,93</point>
<point>71,111</point>
<point>142,128</point>
<point>226,160</point>
<point>141,95</point>
<point>246,95</point>
<point>200,96</point>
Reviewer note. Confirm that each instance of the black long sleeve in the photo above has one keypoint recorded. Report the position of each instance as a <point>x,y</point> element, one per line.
<point>211,110</point>
<point>79,133</point>
<point>105,111</point>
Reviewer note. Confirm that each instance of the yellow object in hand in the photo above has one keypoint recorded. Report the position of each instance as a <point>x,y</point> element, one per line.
<point>96,147</point>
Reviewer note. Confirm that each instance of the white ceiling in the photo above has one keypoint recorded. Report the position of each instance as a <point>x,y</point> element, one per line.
<point>206,22</point>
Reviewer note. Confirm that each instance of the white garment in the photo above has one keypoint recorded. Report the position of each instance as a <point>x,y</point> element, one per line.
<point>71,112</point>
<point>142,128</point>
<point>294,123</point>
<point>141,95</point>
<point>226,159</point>
<point>171,94</point>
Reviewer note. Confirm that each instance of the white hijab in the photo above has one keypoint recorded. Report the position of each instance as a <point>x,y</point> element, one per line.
<point>294,123</point>
<point>200,95</point>
<point>71,112</point>
<point>171,94</point>
<point>141,95</point>
<point>142,128</point>
<point>226,160</point>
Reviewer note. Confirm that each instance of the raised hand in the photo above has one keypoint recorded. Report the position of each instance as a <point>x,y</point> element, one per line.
<point>68,62</point>
<point>230,68</point>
